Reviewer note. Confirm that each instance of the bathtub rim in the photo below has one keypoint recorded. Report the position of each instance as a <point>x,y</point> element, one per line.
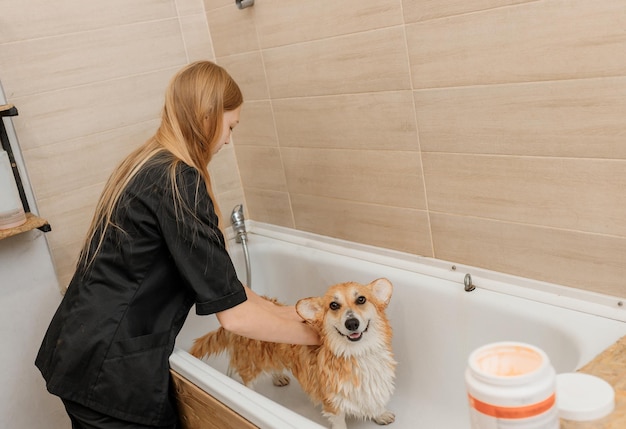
<point>571,298</point>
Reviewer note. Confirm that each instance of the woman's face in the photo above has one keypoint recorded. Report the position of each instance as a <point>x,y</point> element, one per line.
<point>230,121</point>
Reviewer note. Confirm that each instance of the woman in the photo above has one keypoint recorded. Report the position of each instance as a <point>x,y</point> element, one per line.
<point>153,250</point>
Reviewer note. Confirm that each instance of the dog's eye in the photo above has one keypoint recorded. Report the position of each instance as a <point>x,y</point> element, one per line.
<point>335,305</point>
<point>361,300</point>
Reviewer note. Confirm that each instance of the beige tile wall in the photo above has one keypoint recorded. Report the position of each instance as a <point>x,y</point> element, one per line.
<point>485,132</point>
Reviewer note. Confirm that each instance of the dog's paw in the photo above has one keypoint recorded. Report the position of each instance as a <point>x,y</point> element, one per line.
<point>279,379</point>
<point>385,418</point>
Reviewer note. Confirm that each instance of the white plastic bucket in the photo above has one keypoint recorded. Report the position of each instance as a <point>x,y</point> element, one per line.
<point>511,385</point>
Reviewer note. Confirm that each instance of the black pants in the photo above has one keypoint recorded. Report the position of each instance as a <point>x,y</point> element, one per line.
<point>86,418</point>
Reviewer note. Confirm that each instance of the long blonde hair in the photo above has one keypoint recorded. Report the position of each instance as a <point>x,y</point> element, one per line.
<point>191,125</point>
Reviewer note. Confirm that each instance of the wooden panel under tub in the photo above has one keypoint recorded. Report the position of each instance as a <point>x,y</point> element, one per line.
<point>199,410</point>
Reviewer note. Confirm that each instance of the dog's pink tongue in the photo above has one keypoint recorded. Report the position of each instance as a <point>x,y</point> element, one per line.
<point>355,335</point>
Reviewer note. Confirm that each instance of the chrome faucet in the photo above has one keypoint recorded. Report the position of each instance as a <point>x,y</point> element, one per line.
<point>239,226</point>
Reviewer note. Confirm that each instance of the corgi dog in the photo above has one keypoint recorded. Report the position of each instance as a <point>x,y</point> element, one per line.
<point>351,374</point>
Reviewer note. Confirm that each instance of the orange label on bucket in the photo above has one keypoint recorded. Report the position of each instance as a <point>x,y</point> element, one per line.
<point>512,412</point>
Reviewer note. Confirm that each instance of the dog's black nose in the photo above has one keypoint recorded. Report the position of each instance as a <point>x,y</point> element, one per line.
<point>352,324</point>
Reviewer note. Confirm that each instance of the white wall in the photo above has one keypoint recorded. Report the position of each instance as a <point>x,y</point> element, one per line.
<point>29,295</point>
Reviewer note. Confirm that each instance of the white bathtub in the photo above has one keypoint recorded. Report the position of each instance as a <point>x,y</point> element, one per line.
<point>436,325</point>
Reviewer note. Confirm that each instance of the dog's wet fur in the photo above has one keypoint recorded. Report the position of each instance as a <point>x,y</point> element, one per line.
<point>351,373</point>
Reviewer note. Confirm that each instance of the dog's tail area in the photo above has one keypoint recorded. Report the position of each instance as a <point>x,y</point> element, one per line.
<point>212,343</point>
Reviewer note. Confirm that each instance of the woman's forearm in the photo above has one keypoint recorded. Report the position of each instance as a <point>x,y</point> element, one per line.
<point>259,322</point>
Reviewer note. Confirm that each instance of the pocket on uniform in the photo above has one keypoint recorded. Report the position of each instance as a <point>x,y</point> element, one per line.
<point>135,385</point>
<point>128,346</point>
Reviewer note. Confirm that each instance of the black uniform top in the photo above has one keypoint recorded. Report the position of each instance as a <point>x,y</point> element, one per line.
<point>108,344</point>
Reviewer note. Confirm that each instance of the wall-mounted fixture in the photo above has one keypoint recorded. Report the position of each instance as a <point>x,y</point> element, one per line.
<point>239,226</point>
<point>242,4</point>
<point>32,221</point>
<point>467,281</point>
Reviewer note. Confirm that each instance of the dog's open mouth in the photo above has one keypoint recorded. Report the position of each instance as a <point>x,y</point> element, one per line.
<point>355,336</point>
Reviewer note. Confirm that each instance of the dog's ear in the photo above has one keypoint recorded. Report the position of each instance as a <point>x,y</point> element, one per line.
<point>382,288</point>
<point>308,308</point>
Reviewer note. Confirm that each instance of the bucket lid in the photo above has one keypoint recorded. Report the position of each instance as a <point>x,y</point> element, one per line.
<point>583,397</point>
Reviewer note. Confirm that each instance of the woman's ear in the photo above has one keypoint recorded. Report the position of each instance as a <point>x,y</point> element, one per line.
<point>309,308</point>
